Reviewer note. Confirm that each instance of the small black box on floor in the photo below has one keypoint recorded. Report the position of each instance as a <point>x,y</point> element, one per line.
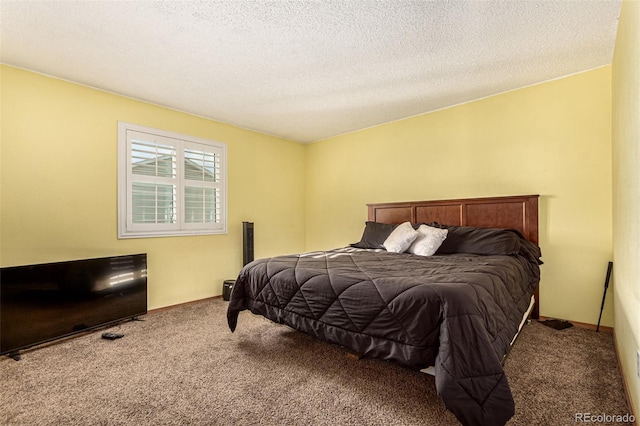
<point>226,289</point>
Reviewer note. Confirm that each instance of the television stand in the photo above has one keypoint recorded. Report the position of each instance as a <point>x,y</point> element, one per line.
<point>15,355</point>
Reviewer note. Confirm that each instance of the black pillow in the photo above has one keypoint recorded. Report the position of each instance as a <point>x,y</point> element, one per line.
<point>485,241</point>
<point>374,235</point>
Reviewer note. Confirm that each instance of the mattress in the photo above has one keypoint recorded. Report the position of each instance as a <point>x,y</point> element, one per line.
<point>459,312</point>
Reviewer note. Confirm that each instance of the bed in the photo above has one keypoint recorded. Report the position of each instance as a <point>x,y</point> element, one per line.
<point>458,309</point>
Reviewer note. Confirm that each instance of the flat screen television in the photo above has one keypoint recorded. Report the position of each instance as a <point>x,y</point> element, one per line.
<point>44,302</point>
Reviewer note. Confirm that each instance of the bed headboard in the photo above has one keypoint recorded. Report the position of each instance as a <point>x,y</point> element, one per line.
<point>518,212</point>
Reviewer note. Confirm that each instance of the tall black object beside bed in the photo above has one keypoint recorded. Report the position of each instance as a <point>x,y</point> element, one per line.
<point>459,311</point>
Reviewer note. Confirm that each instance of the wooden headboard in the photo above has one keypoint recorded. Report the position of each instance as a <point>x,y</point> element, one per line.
<point>518,212</point>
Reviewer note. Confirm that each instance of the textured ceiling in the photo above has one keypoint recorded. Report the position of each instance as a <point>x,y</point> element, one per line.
<point>307,70</point>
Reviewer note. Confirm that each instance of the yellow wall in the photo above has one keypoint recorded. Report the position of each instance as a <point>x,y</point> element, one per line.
<point>626,193</point>
<point>552,139</point>
<point>58,188</point>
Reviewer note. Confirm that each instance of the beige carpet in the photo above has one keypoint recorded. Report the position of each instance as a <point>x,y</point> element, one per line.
<point>182,366</point>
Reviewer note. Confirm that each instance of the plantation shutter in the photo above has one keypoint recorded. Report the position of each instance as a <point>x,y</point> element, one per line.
<point>154,184</point>
<point>202,186</point>
<point>169,184</point>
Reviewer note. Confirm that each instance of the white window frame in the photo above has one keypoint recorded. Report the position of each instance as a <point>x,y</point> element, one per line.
<point>126,227</point>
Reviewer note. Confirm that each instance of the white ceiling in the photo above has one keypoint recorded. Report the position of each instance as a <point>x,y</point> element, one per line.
<point>308,70</point>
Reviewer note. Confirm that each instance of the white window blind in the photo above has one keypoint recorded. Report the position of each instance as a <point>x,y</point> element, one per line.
<point>169,184</point>
<point>202,190</point>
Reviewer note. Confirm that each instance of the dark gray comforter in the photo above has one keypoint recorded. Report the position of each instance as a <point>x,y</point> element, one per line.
<point>458,312</point>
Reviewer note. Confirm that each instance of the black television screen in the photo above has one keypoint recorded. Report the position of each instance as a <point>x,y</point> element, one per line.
<point>40,303</point>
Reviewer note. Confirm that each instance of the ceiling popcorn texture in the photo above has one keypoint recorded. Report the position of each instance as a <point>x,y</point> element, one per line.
<point>308,70</point>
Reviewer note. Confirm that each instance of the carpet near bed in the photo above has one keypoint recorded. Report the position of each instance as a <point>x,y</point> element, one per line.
<point>183,366</point>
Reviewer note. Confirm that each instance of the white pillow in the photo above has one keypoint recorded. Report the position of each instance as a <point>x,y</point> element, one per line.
<point>400,238</point>
<point>428,241</point>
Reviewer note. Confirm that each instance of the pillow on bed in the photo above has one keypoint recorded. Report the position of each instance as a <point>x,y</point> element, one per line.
<point>374,235</point>
<point>400,238</point>
<point>428,241</point>
<point>485,241</point>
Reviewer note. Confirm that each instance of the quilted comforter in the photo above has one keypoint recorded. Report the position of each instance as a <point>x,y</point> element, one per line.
<point>458,312</point>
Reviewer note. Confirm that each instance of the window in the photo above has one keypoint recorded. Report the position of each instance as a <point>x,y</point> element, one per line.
<point>169,184</point>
